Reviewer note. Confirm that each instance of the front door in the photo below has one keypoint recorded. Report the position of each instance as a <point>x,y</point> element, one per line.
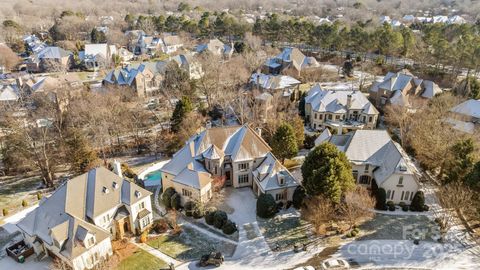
<point>228,178</point>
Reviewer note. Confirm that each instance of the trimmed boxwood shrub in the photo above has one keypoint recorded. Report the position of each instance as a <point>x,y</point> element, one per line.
<point>189,208</point>
<point>390,203</point>
<point>209,216</point>
<point>402,204</point>
<point>219,219</point>
<point>426,208</point>
<point>298,197</point>
<point>229,227</point>
<point>418,202</point>
<point>5,212</point>
<point>198,212</point>
<point>167,197</point>
<point>175,201</point>
<point>391,208</point>
<point>381,197</point>
<point>24,203</point>
<point>354,233</point>
<point>405,208</point>
<point>266,206</point>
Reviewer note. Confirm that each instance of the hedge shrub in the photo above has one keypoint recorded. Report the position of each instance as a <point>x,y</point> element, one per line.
<point>175,201</point>
<point>189,208</point>
<point>418,202</point>
<point>5,212</point>
<point>198,212</point>
<point>298,197</point>
<point>167,197</point>
<point>209,216</point>
<point>266,206</point>
<point>24,203</point>
<point>219,219</point>
<point>229,227</point>
<point>381,197</point>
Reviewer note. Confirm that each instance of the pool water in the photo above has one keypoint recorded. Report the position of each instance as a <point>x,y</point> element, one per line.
<point>153,178</point>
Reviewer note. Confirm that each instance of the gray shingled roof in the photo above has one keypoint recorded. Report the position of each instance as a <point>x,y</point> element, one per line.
<point>75,204</point>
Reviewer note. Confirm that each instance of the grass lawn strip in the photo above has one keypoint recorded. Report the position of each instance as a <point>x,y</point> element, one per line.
<point>189,245</point>
<point>141,260</point>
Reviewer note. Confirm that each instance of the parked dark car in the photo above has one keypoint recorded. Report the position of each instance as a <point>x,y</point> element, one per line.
<point>214,258</point>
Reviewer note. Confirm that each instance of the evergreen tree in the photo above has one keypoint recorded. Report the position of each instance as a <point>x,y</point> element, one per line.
<point>381,199</point>
<point>298,197</point>
<point>473,177</point>
<point>301,105</point>
<point>266,206</point>
<point>284,142</point>
<point>418,202</point>
<point>462,161</point>
<point>80,155</point>
<point>97,36</point>
<point>182,107</point>
<point>327,171</point>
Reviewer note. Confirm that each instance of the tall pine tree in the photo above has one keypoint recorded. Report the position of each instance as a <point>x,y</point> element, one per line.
<point>284,143</point>
<point>327,171</point>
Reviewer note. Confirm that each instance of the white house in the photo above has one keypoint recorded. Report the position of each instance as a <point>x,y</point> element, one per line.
<point>339,109</point>
<point>216,47</point>
<point>77,222</point>
<point>466,116</point>
<point>97,55</point>
<point>171,43</point>
<point>378,161</point>
<point>232,155</point>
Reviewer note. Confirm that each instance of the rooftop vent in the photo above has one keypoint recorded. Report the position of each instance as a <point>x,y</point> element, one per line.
<point>138,194</point>
<point>105,190</point>
<point>115,185</point>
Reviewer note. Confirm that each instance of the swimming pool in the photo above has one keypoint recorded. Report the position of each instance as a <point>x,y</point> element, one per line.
<point>153,179</point>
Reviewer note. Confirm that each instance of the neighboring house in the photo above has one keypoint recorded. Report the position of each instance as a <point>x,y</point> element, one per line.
<point>339,109</point>
<point>284,89</point>
<point>133,37</point>
<point>50,59</point>
<point>216,47</point>
<point>125,55</point>
<point>34,44</point>
<point>290,61</point>
<point>379,162</point>
<point>97,56</point>
<point>171,43</point>
<point>466,116</point>
<point>235,155</point>
<point>77,222</point>
<point>144,80</point>
<point>189,64</point>
<point>402,89</point>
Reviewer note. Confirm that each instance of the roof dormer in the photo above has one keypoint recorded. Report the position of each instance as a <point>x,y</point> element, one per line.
<point>138,194</point>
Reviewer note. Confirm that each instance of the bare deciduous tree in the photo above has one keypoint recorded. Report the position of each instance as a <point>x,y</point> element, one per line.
<point>357,206</point>
<point>320,212</point>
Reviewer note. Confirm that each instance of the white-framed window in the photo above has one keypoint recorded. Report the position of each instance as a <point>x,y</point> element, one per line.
<point>401,197</point>
<point>389,192</point>
<point>186,192</point>
<point>393,194</point>
<point>279,196</point>
<point>400,180</point>
<point>243,178</point>
<point>141,206</point>
<point>106,218</point>
<point>243,166</point>
<point>411,196</point>
<point>91,241</point>
<point>145,221</point>
<point>367,167</point>
<point>370,119</point>
<point>365,179</point>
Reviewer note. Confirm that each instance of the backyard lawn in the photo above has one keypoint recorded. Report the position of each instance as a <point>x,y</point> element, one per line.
<point>141,260</point>
<point>190,245</point>
<point>285,229</point>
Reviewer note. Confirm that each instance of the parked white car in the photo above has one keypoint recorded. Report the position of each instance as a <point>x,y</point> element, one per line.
<point>336,264</point>
<point>305,268</point>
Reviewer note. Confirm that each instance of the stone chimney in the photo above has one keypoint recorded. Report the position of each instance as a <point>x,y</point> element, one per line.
<point>117,168</point>
<point>340,129</point>
<point>349,101</point>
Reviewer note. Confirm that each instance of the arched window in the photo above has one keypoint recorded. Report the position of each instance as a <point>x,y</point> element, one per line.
<point>365,180</point>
